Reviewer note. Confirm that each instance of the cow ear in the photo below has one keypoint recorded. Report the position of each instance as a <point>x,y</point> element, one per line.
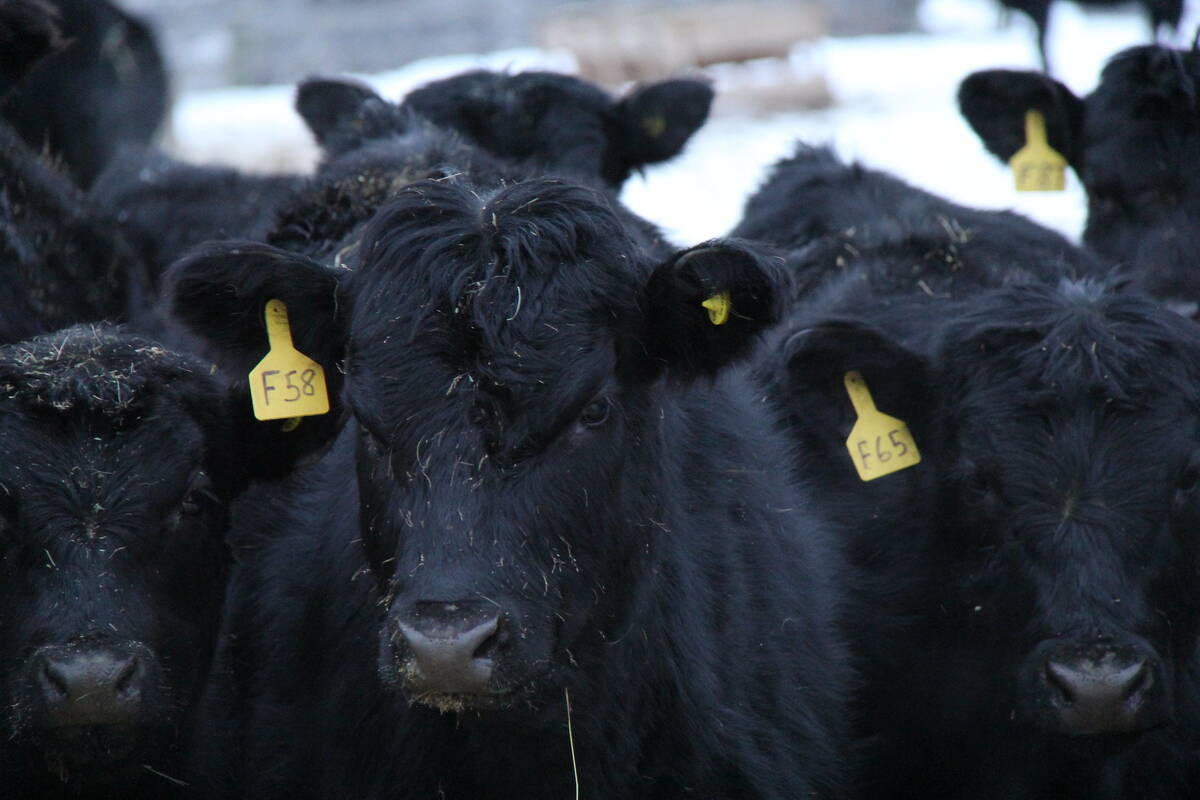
<point>706,306</point>
<point>28,32</point>
<point>219,293</point>
<point>658,119</point>
<point>994,103</point>
<point>330,104</point>
<point>805,371</point>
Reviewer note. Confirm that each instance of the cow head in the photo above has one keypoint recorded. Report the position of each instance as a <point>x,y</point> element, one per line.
<point>1054,525</point>
<point>113,492</point>
<point>513,363</point>
<point>1133,142</point>
<point>551,123</point>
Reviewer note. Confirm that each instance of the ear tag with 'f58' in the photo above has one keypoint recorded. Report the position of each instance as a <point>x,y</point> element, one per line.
<point>286,383</point>
<point>879,445</point>
<point>1038,167</point>
<point>718,308</point>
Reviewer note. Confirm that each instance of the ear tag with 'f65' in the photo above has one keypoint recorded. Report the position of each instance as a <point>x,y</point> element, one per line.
<point>879,445</point>
<point>1038,167</point>
<point>286,383</point>
<point>718,308</point>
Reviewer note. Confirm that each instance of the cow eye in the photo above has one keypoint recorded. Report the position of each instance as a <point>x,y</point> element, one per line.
<point>976,482</point>
<point>198,494</point>
<point>595,413</point>
<point>8,509</point>
<point>1190,477</point>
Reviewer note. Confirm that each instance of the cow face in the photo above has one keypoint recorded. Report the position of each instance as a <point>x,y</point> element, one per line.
<point>112,554</point>
<point>1057,537</point>
<point>1133,142</point>
<point>511,361</point>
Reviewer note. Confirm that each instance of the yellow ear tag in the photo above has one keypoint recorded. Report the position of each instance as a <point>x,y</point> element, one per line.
<point>879,445</point>
<point>1038,167</point>
<point>654,125</point>
<point>286,383</point>
<point>718,308</point>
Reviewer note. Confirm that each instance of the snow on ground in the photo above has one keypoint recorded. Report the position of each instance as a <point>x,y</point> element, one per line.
<point>894,109</point>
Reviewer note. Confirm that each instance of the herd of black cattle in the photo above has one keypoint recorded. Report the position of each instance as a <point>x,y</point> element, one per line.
<point>582,519</point>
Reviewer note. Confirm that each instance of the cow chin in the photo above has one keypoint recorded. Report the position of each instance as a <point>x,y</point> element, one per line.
<point>448,696</point>
<point>481,693</point>
<point>98,754</point>
<point>463,702</point>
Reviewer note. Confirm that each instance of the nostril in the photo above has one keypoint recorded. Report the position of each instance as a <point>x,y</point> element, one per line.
<point>126,682</point>
<point>53,684</point>
<point>1137,679</point>
<point>487,648</point>
<point>1060,680</point>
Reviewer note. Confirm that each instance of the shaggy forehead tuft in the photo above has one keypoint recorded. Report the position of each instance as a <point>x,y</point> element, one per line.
<point>1084,335</point>
<point>91,368</point>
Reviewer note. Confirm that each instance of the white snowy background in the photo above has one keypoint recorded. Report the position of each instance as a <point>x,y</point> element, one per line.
<point>894,108</point>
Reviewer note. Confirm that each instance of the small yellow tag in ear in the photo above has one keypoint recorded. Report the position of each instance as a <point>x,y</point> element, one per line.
<point>718,307</point>
<point>654,125</point>
<point>1038,167</point>
<point>286,383</point>
<point>879,445</point>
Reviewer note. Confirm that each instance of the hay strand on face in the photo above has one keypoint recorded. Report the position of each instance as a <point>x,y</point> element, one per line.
<point>571,740</point>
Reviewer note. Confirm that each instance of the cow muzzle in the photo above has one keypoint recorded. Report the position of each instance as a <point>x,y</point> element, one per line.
<point>1090,689</point>
<point>445,653</point>
<point>87,704</point>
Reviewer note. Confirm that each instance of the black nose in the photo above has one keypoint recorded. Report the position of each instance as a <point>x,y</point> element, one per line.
<point>89,686</point>
<point>448,647</point>
<point>1101,691</point>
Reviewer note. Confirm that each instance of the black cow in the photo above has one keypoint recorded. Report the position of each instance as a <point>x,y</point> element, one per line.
<point>60,263</point>
<point>371,150</point>
<point>1134,144</point>
<point>163,206</point>
<point>1162,13</point>
<point>551,545</point>
<point>1027,626</point>
<point>563,125</point>
<point>104,87</point>
<point>835,220</point>
<point>529,123</point>
<point>116,475</point>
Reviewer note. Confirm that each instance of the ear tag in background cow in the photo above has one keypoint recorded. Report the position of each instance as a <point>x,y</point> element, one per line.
<point>718,308</point>
<point>286,384</point>
<point>879,445</point>
<point>654,125</point>
<point>1038,167</point>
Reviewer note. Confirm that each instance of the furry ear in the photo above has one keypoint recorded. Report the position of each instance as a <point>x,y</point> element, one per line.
<point>994,103</point>
<point>219,293</point>
<point>705,307</point>
<point>28,32</point>
<point>658,119</point>
<point>805,370</point>
<point>328,104</point>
